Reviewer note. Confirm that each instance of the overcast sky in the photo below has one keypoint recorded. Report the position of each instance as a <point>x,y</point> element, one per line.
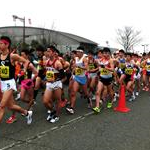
<point>96,20</point>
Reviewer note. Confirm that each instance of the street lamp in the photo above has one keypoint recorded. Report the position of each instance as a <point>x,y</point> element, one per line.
<point>145,45</point>
<point>22,20</point>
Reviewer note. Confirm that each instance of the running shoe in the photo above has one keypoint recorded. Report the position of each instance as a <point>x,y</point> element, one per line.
<point>96,109</point>
<point>11,119</point>
<point>17,97</point>
<point>89,102</point>
<point>29,117</point>
<point>54,119</point>
<point>50,115</point>
<point>137,93</point>
<point>70,110</point>
<point>109,105</point>
<point>93,97</point>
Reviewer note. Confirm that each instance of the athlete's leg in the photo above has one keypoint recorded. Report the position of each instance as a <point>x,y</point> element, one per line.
<point>75,88</point>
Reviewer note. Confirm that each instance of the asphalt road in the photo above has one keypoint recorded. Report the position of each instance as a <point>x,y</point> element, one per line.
<point>84,130</point>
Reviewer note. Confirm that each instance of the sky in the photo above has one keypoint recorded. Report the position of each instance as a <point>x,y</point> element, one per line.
<point>96,20</point>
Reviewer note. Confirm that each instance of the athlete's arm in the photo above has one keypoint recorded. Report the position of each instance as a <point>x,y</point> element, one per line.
<point>34,70</point>
<point>16,57</point>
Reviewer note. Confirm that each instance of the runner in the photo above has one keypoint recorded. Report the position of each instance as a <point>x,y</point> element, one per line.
<point>92,74</point>
<point>40,68</point>
<point>137,75</point>
<point>146,64</point>
<point>54,77</point>
<point>79,79</point>
<point>7,74</point>
<point>105,80</point>
<point>128,76</point>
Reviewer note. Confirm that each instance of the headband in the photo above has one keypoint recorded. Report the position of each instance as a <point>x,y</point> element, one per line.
<point>4,41</point>
<point>79,50</point>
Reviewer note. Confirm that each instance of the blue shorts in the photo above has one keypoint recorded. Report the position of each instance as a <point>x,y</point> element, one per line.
<point>81,80</point>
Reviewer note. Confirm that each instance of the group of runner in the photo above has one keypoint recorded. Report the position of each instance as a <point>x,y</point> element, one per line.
<point>93,76</point>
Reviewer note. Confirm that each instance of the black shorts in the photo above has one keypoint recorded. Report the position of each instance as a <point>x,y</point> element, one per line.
<point>41,74</point>
<point>107,81</point>
<point>127,79</point>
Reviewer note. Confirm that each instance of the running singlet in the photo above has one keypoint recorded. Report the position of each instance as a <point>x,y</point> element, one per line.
<point>129,69</point>
<point>51,72</point>
<point>78,70</point>
<point>7,70</point>
<point>122,63</point>
<point>148,65</point>
<point>105,73</point>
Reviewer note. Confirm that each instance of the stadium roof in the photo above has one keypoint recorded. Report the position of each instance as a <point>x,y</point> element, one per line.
<point>71,36</point>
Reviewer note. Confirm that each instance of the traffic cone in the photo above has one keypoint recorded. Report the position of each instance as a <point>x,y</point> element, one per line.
<point>122,101</point>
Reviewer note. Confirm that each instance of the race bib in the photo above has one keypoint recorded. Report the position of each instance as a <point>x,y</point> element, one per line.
<point>104,71</point>
<point>148,67</point>
<point>4,71</point>
<point>50,76</point>
<point>129,71</point>
<point>122,65</point>
<point>91,66</point>
<point>78,71</point>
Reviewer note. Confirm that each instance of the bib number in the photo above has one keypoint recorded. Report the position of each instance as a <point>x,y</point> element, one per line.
<point>50,76</point>
<point>104,71</point>
<point>122,65</point>
<point>148,67</point>
<point>91,66</point>
<point>128,71</point>
<point>78,71</point>
<point>4,71</point>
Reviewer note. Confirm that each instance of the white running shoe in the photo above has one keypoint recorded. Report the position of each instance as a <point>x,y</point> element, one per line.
<point>54,119</point>
<point>29,117</point>
<point>17,97</point>
<point>137,93</point>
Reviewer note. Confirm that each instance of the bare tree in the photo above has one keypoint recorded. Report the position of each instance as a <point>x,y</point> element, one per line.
<point>128,37</point>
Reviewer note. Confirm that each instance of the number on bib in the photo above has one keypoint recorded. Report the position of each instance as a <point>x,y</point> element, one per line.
<point>4,71</point>
<point>128,71</point>
<point>104,71</point>
<point>78,71</point>
<point>50,76</point>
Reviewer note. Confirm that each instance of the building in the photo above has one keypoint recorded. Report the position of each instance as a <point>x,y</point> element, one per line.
<point>63,41</point>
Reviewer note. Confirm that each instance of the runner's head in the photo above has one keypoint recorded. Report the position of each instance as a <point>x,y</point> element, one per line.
<point>51,51</point>
<point>90,55</point>
<point>100,53</point>
<point>121,53</point>
<point>25,53</point>
<point>40,51</point>
<point>5,43</point>
<point>106,52</point>
<point>80,51</point>
<point>128,56</point>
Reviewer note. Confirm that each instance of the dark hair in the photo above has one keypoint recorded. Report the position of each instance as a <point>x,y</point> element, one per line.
<point>80,48</point>
<point>6,38</point>
<point>106,49</point>
<point>91,52</point>
<point>53,48</point>
<point>57,51</point>
<point>26,51</point>
<point>40,48</point>
<point>135,55</point>
<point>121,51</point>
<point>129,54</point>
<point>144,54</point>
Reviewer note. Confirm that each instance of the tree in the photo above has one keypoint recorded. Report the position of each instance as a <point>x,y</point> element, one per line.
<point>34,43</point>
<point>128,37</point>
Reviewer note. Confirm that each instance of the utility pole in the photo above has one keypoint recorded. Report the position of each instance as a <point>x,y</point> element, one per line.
<point>22,20</point>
